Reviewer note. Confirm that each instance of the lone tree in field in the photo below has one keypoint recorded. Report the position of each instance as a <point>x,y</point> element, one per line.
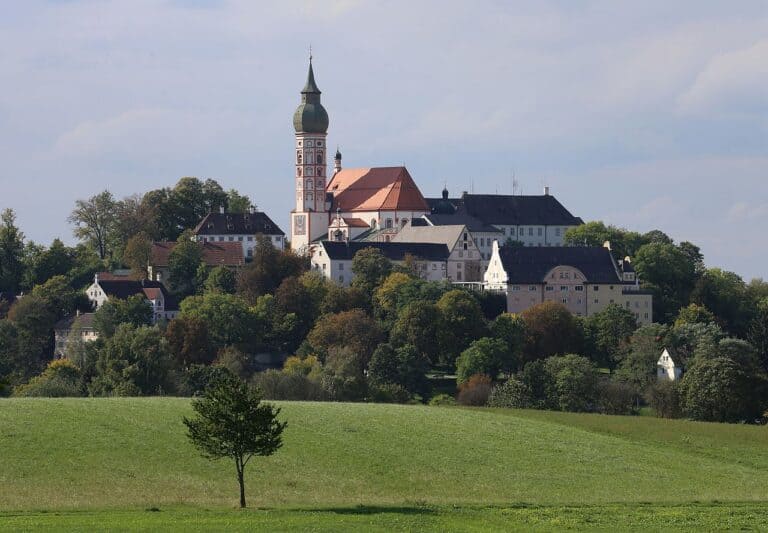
<point>232,422</point>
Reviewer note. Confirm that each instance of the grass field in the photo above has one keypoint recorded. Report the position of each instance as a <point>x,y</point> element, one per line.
<point>76,463</point>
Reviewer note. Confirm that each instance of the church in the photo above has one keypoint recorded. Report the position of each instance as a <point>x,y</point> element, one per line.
<point>374,204</point>
<point>352,200</point>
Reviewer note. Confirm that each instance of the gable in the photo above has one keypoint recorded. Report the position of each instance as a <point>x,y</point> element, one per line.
<point>375,189</point>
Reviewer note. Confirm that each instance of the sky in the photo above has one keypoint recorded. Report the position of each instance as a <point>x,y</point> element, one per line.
<point>646,115</point>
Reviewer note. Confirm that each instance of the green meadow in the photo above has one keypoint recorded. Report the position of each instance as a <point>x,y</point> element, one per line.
<point>125,463</point>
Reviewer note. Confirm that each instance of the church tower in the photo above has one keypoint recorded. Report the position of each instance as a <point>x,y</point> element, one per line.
<point>309,220</point>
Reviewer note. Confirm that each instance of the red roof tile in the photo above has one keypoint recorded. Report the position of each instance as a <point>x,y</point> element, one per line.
<point>374,189</point>
<point>214,253</point>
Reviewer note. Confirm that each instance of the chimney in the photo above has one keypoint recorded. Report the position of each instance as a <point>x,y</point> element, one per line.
<point>546,190</point>
<point>607,244</point>
<point>221,209</point>
<point>96,277</point>
<point>252,209</point>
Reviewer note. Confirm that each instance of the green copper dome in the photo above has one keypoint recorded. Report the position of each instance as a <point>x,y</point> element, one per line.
<point>310,116</point>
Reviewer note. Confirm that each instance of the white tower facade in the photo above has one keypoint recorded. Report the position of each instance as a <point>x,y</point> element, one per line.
<point>309,219</point>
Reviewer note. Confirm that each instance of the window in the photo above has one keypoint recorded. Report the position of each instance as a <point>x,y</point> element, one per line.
<point>579,288</point>
<point>646,315</point>
<point>250,238</point>
<point>596,288</point>
<point>597,301</point>
<point>563,288</point>
<point>511,231</point>
<point>319,143</point>
<point>550,288</point>
<point>557,232</point>
<point>341,266</point>
<point>240,238</point>
<point>531,288</point>
<point>565,300</point>
<point>540,232</point>
<point>250,252</point>
<point>298,158</point>
<point>389,223</point>
<point>458,276</point>
<point>465,246</point>
<point>465,236</point>
<point>434,266</point>
<point>221,238</point>
<point>461,253</point>
<point>323,266</point>
<point>515,288</point>
<point>231,239</point>
<point>320,158</point>
<point>530,232</point>
<point>341,279</point>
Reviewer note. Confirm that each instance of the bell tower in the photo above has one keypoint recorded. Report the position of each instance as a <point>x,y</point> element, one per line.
<point>309,219</point>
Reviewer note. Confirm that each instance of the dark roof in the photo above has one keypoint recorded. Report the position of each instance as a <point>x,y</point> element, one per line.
<point>124,288</point>
<point>84,321</point>
<point>473,224</point>
<point>531,264</point>
<point>310,116</point>
<point>508,210</point>
<point>237,224</point>
<point>394,251</point>
<point>214,253</point>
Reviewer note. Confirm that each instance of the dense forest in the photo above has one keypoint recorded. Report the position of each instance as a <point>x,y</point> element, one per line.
<point>391,336</point>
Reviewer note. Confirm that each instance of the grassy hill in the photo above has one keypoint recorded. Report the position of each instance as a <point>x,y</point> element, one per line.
<point>119,455</point>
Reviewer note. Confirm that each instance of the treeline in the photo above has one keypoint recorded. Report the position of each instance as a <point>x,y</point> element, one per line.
<point>388,337</point>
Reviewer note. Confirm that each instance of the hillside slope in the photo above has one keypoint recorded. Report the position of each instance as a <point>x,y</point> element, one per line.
<point>132,452</point>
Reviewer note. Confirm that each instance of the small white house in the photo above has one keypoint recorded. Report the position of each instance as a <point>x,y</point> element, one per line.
<point>666,368</point>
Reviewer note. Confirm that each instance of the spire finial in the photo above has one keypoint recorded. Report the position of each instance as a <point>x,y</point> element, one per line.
<point>310,52</point>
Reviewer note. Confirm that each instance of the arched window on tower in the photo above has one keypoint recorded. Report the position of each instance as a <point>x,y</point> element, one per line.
<point>298,157</point>
<point>309,184</point>
<point>319,171</point>
<point>309,196</point>
<point>320,157</point>
<point>298,172</point>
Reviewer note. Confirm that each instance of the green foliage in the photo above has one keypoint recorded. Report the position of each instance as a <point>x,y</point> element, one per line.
<point>664,399</point>
<point>11,252</point>
<point>60,378</point>
<point>462,323</point>
<point>757,333</point>
<point>638,368</point>
<point>42,264</point>
<point>574,381</point>
<point>134,310</point>
<point>276,385</point>
<point>669,273</point>
<point>694,314</point>
<point>183,264</point>
<point>33,320</point>
<point>237,203</point>
<point>510,329</point>
<point>138,254</point>
<point>194,379</point>
<point>511,393</point>
<point>229,319</point>
<point>369,267</point>
<point>442,400</point>
<point>484,356</point>
<point>388,393</point>
<point>596,233</point>
<point>349,329</point>
<point>725,295</point>
<point>403,366</point>
<point>608,333</point>
<point>134,361</point>
<point>419,324</point>
<point>221,279</point>
<point>718,389</point>
<point>615,398</point>
<point>231,422</point>
<point>550,329</point>
<point>60,297</point>
<point>267,269</point>
<point>234,361</point>
<point>95,222</point>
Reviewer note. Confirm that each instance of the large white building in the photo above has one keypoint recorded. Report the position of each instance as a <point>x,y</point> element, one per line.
<point>241,228</point>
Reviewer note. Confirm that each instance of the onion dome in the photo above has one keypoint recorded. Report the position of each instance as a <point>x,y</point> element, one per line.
<point>310,116</point>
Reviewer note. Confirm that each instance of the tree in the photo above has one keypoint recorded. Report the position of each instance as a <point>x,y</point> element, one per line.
<point>189,341</point>
<point>237,203</point>
<point>183,264</point>
<point>61,298</point>
<point>34,320</point>
<point>221,279</point>
<point>11,252</point>
<point>137,255</point>
<point>669,274</point>
<point>419,324</point>
<point>267,269</point>
<point>349,329</point>
<point>484,356</point>
<point>758,332</point>
<point>229,320</point>
<point>725,295</point>
<point>596,233</point>
<point>550,329</point>
<point>719,389</point>
<point>510,328</point>
<point>694,314</point>
<point>95,221</point>
<point>609,332</point>
<point>403,366</point>
<point>42,264</point>
<point>231,421</point>
<point>638,368</point>
<point>574,380</point>
<point>134,310</point>
<point>370,267</point>
<point>462,322</point>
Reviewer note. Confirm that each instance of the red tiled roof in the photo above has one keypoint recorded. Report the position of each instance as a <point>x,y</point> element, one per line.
<point>214,253</point>
<point>374,189</point>
<point>356,223</point>
<point>152,294</point>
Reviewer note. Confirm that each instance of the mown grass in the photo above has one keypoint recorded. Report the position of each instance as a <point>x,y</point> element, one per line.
<point>74,463</point>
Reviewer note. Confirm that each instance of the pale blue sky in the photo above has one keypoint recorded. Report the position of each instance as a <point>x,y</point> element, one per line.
<point>644,114</point>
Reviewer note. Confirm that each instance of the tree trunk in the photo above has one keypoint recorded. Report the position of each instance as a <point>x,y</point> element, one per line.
<point>241,480</point>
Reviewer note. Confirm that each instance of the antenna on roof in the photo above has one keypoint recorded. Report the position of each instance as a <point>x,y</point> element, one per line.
<point>515,184</point>
<point>310,52</point>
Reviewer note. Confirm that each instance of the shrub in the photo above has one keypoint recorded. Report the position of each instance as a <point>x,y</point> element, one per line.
<point>233,360</point>
<point>442,399</point>
<point>388,393</point>
<point>475,391</point>
<point>511,393</point>
<point>194,379</point>
<point>664,399</point>
<point>61,378</point>
<point>615,398</point>
<point>276,385</point>
<point>484,356</point>
<point>575,382</point>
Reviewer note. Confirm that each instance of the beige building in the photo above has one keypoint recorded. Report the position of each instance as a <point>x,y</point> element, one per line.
<point>78,326</point>
<point>585,280</point>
